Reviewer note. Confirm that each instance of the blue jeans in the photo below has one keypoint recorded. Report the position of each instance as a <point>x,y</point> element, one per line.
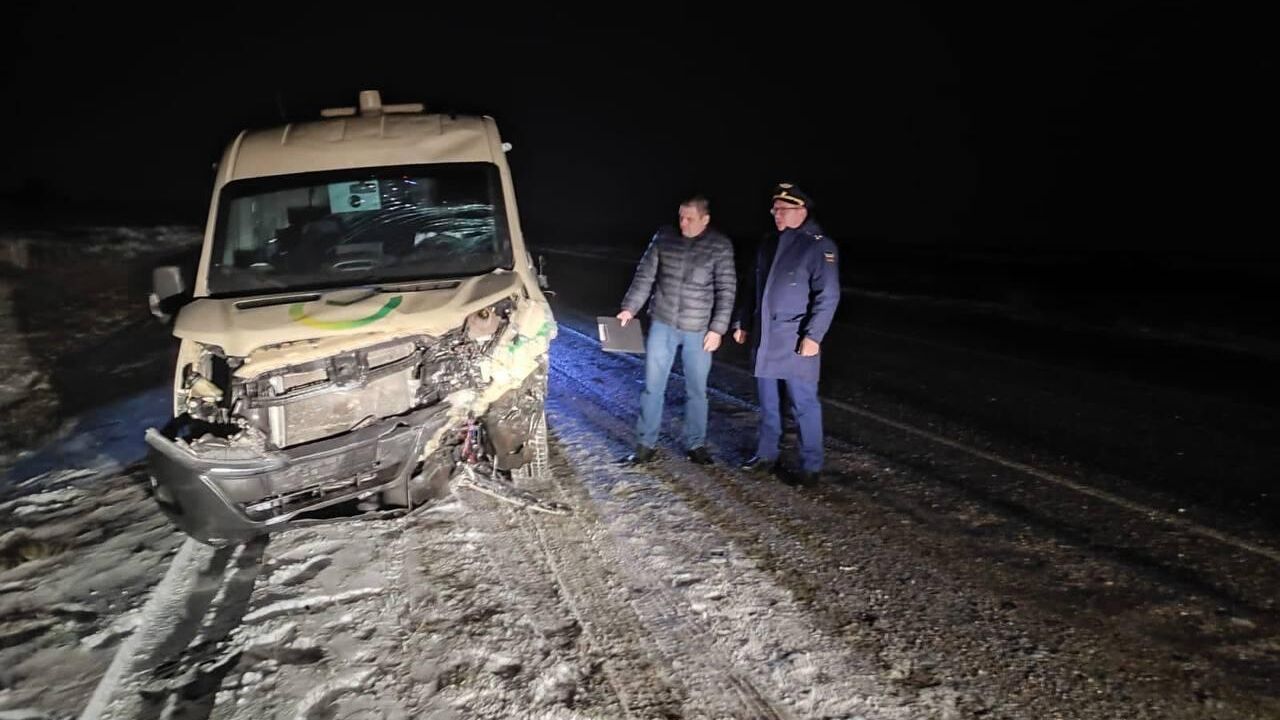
<point>660,353</point>
<point>803,396</point>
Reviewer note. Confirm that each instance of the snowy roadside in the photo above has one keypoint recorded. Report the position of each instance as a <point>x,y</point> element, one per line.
<point>62,294</point>
<point>79,556</point>
<point>80,541</point>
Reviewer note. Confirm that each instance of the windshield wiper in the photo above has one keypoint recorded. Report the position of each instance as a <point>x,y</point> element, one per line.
<point>276,300</point>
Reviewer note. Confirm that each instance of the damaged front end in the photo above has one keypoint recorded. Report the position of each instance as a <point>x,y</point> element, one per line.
<point>287,431</point>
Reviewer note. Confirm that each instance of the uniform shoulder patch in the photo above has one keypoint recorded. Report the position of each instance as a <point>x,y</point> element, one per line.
<point>829,256</point>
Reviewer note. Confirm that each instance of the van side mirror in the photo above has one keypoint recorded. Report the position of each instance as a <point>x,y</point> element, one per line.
<point>168,292</point>
<point>542,275</point>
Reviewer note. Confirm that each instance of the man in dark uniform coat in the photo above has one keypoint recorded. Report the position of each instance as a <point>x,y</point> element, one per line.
<point>786,316</point>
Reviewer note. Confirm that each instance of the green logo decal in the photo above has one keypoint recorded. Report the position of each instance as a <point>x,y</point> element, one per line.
<point>297,313</point>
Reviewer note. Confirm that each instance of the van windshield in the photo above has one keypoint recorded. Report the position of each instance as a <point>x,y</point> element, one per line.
<point>358,226</point>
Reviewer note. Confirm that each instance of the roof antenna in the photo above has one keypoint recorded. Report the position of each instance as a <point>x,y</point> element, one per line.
<point>284,117</point>
<point>370,102</point>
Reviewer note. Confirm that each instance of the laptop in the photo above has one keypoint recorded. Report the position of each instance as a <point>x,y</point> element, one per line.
<point>614,337</point>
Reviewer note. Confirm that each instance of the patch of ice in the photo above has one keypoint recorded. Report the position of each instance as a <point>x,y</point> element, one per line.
<point>307,604</point>
<point>685,579</point>
<point>58,477</point>
<point>263,643</point>
<point>45,499</point>
<point>317,703</point>
<point>557,686</point>
<point>294,574</point>
<point>309,550</point>
<point>75,609</point>
<point>121,627</point>
<point>503,665</point>
<point>342,623</point>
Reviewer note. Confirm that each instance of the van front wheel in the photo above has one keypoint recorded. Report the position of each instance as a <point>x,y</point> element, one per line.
<point>539,466</point>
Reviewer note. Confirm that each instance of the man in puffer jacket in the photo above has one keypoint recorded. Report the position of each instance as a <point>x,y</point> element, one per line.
<point>692,281</point>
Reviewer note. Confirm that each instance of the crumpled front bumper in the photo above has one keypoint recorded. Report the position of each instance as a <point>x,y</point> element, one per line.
<point>218,499</point>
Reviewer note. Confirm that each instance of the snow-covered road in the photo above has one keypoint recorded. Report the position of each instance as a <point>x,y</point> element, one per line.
<point>929,575</point>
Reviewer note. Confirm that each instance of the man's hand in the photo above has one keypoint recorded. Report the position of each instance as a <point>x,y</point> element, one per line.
<point>711,342</point>
<point>740,336</point>
<point>625,316</point>
<point>808,347</point>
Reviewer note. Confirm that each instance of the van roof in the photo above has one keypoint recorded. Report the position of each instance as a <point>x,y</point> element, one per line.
<point>376,136</point>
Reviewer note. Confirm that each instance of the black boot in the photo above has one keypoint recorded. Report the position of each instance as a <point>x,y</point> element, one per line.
<point>700,456</point>
<point>760,465</point>
<point>641,456</point>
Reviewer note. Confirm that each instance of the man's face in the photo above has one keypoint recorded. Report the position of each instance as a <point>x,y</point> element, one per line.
<point>692,222</point>
<point>786,215</point>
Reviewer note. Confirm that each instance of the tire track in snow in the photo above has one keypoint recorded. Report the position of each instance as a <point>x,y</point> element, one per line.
<point>778,639</point>
<point>730,694</point>
<point>598,603</point>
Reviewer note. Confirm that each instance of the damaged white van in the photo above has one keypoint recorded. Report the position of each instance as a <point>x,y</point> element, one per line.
<point>365,325</point>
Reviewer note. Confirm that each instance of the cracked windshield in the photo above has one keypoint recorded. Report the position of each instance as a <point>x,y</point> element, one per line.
<point>358,227</point>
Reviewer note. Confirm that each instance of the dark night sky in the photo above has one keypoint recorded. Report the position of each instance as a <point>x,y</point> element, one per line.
<point>1120,125</point>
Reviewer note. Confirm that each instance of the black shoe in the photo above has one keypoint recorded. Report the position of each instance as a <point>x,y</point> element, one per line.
<point>700,456</point>
<point>758,464</point>
<point>641,456</point>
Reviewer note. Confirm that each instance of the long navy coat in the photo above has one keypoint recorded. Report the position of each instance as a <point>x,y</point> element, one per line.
<point>795,295</point>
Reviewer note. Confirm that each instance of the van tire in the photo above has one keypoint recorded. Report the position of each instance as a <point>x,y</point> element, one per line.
<point>539,467</point>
